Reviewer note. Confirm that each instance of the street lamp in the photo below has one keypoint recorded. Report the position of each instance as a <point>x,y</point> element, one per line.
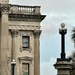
<point>62,32</point>
<point>13,63</point>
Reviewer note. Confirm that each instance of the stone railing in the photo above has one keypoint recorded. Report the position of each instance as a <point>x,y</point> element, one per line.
<point>28,10</point>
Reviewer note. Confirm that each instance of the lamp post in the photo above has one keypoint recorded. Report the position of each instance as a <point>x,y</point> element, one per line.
<point>62,32</point>
<point>63,64</point>
<point>13,63</point>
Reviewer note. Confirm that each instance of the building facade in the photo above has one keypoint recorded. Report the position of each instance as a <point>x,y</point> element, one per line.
<point>19,39</point>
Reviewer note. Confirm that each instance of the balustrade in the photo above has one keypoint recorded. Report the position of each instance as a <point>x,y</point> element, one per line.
<point>28,10</point>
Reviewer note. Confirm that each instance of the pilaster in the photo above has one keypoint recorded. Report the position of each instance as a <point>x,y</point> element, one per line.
<point>4,39</point>
<point>14,34</point>
<point>37,52</point>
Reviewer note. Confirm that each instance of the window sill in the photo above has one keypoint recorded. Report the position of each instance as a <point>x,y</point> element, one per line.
<point>25,49</point>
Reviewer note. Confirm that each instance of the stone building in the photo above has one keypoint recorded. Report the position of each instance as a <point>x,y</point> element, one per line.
<point>19,39</point>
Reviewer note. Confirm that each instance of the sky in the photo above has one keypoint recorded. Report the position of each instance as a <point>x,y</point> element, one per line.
<point>57,12</point>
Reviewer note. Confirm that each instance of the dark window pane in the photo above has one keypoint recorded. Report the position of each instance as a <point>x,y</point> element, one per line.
<point>25,69</point>
<point>25,41</point>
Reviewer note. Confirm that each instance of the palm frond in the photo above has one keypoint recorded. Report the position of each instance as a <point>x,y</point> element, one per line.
<point>73,36</point>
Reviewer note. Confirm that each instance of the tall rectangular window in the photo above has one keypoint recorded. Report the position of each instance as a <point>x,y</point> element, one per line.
<point>25,41</point>
<point>25,69</point>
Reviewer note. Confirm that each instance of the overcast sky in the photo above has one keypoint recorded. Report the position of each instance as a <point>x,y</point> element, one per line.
<point>57,12</point>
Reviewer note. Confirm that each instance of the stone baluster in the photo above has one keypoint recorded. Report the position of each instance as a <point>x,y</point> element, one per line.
<point>37,52</point>
<point>4,1</point>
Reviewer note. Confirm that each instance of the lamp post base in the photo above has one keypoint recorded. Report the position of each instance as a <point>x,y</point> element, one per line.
<point>65,59</point>
<point>63,66</point>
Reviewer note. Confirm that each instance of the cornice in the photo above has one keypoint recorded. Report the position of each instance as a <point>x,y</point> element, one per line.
<point>23,17</point>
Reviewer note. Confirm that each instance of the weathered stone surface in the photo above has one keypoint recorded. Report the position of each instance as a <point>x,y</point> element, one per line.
<point>17,21</point>
<point>63,67</point>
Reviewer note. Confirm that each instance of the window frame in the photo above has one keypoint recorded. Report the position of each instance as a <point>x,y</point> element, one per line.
<point>28,41</point>
<point>28,67</point>
<point>26,60</point>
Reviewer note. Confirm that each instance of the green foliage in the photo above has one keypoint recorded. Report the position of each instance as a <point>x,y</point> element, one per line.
<point>73,36</point>
<point>25,73</point>
<point>73,53</point>
<point>72,56</point>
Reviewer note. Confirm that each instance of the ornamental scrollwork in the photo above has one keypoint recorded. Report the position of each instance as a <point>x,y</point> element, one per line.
<point>37,33</point>
<point>14,32</point>
<point>4,8</point>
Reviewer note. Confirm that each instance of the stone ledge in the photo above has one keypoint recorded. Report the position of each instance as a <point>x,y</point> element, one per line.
<point>66,59</point>
<point>23,17</point>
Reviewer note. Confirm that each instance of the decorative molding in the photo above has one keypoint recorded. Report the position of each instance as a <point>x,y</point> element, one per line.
<point>24,27</point>
<point>25,49</point>
<point>24,17</point>
<point>26,58</point>
<point>4,1</point>
<point>37,33</point>
<point>4,8</point>
<point>25,34</point>
<point>14,32</point>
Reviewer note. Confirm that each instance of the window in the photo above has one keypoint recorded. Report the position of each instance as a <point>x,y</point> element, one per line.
<point>25,69</point>
<point>25,41</point>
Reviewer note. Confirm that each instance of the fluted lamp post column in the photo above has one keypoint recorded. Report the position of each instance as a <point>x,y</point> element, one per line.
<point>63,64</point>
